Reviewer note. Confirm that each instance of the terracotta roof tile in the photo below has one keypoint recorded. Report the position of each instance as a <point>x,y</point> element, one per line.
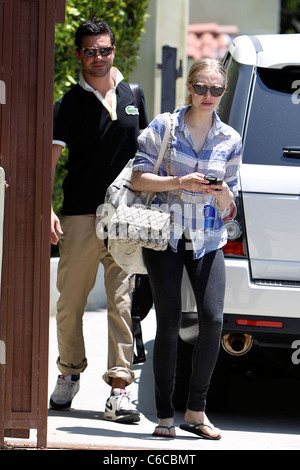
<point>209,40</point>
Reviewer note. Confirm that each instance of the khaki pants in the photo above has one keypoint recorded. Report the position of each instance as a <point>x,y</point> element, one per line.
<point>81,251</point>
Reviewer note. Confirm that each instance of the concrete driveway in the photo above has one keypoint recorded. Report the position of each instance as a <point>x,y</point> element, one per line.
<point>251,422</point>
<point>261,415</point>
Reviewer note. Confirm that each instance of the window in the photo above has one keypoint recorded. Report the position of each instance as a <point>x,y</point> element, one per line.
<point>274,118</point>
<point>233,106</point>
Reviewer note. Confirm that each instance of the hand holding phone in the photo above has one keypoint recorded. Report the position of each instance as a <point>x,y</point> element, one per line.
<point>213,180</point>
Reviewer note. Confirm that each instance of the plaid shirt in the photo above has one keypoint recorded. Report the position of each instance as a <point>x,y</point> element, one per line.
<point>195,214</point>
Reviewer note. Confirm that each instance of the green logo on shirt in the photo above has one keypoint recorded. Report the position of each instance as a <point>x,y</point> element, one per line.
<point>132,110</point>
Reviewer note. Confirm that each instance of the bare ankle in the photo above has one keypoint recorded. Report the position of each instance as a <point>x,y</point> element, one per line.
<point>117,382</point>
<point>194,417</point>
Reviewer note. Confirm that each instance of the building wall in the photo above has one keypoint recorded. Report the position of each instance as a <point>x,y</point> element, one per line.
<point>166,26</point>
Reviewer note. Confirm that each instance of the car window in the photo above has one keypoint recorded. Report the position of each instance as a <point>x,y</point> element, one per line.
<point>232,77</point>
<point>232,109</point>
<point>273,128</point>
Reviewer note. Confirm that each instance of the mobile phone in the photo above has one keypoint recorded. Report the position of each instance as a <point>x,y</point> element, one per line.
<point>213,180</point>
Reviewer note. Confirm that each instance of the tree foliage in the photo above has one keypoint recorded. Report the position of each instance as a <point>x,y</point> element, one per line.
<point>290,16</point>
<point>127,20</point>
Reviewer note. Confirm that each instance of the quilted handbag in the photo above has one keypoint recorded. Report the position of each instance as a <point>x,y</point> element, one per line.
<point>141,225</point>
<point>128,220</point>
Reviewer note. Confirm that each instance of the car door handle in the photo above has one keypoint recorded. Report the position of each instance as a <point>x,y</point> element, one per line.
<point>291,152</point>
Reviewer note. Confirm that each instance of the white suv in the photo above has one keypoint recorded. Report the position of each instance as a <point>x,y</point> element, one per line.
<point>262,301</point>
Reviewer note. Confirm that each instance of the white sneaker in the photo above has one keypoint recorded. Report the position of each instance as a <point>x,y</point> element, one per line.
<point>64,392</point>
<point>119,408</point>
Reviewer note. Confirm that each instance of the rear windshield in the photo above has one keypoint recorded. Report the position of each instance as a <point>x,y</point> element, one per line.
<point>273,130</point>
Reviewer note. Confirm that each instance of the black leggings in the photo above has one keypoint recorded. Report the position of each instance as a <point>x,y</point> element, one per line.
<point>207,277</point>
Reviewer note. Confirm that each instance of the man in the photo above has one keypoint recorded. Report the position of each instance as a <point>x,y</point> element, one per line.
<point>98,121</point>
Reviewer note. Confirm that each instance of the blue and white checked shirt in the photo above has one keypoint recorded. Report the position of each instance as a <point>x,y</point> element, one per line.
<point>196,214</point>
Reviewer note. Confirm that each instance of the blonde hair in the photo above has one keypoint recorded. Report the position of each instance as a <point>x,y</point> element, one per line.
<point>204,65</point>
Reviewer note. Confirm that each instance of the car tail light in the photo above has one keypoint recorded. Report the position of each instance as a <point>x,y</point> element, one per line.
<point>233,221</point>
<point>234,229</point>
<point>263,323</point>
<point>235,248</point>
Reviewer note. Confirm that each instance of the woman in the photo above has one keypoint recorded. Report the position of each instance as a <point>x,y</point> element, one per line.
<point>202,147</point>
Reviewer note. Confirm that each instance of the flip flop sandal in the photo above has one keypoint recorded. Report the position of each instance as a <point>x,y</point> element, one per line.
<point>156,434</point>
<point>195,429</point>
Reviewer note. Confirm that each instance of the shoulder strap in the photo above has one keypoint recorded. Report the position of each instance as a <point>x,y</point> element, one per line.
<point>164,143</point>
<point>136,93</point>
<point>162,151</point>
<point>140,103</point>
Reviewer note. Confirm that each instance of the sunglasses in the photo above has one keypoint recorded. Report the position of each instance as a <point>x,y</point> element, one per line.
<point>92,51</point>
<point>214,90</point>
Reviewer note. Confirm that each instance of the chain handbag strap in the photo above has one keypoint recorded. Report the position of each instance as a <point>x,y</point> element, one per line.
<point>169,149</point>
<point>166,146</point>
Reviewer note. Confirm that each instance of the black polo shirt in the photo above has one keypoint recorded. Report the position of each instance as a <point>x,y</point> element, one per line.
<point>99,147</point>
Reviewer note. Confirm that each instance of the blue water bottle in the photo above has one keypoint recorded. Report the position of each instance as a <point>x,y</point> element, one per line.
<point>209,217</point>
